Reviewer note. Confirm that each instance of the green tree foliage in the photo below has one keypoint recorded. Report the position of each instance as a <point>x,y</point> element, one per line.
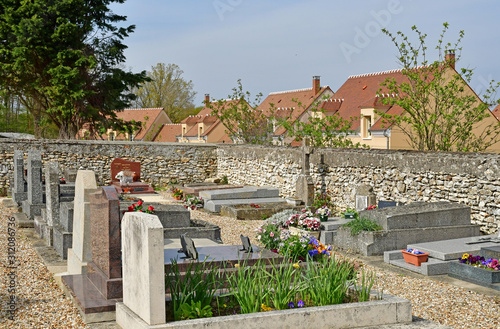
<point>440,112</point>
<point>168,89</point>
<point>244,123</point>
<point>61,58</point>
<point>319,129</point>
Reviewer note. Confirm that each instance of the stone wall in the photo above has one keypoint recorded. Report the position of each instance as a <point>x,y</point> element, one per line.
<point>159,161</point>
<point>471,179</point>
<point>405,176</point>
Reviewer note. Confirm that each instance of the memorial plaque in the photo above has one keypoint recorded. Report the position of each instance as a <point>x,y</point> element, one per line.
<point>119,164</point>
<point>245,241</point>
<point>189,248</point>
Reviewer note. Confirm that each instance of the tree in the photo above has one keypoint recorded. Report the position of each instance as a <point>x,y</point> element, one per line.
<point>440,111</point>
<point>61,59</point>
<point>320,130</point>
<point>243,122</point>
<point>167,89</point>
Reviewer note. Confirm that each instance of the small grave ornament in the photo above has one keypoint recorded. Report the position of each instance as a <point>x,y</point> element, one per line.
<point>125,176</point>
<point>188,248</point>
<point>247,246</point>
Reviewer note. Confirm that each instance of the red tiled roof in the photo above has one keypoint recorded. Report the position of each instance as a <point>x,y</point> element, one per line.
<point>169,132</point>
<point>140,115</point>
<point>360,90</point>
<point>286,103</point>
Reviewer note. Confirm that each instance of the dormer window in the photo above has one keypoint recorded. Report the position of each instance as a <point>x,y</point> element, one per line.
<point>365,126</point>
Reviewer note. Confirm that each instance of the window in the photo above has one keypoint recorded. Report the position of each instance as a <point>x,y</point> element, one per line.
<point>367,123</point>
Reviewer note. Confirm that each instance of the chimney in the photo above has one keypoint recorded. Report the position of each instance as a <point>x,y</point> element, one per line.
<point>207,99</point>
<point>316,86</point>
<point>450,57</point>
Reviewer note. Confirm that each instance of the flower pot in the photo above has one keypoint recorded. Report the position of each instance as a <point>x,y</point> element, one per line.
<point>299,231</point>
<point>415,259</point>
<point>349,215</point>
<point>177,197</point>
<point>323,218</point>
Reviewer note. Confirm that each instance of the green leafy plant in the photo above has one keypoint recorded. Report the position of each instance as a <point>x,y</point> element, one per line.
<point>285,283</point>
<point>322,199</point>
<point>197,283</point>
<point>194,310</point>
<point>248,285</point>
<point>362,224</point>
<point>328,281</point>
<point>269,235</point>
<point>364,286</point>
<point>224,180</point>
<point>350,211</point>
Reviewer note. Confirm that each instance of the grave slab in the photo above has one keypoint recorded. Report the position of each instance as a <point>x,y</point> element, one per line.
<point>420,215</point>
<point>66,216</point>
<point>62,240</point>
<point>476,275</point>
<point>490,252</point>
<point>22,220</point>
<point>171,216</point>
<point>195,190</point>
<point>453,248</point>
<point>433,266</point>
<point>247,192</point>
<point>215,205</point>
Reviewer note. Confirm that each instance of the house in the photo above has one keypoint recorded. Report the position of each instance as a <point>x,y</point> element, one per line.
<point>359,98</point>
<point>204,127</point>
<point>169,132</point>
<point>496,112</point>
<point>151,121</point>
<point>294,105</point>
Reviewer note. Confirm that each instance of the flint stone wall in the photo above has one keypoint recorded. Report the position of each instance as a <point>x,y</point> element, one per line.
<point>472,179</point>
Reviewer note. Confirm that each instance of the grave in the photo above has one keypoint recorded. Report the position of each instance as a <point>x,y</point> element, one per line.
<point>70,174</point>
<point>405,225</point>
<point>214,200</point>
<point>44,224</point>
<point>136,186</point>
<point>248,212</point>
<point>34,203</point>
<point>304,186</point>
<point>143,303</point>
<point>195,189</point>
<point>20,189</point>
<point>80,254</point>
<point>365,197</point>
<point>63,230</point>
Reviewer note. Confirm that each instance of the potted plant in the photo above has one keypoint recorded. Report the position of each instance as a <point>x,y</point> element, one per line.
<point>414,256</point>
<point>350,214</point>
<point>323,212</point>
<point>177,194</point>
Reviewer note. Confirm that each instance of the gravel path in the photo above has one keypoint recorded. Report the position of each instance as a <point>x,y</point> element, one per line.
<point>41,304</point>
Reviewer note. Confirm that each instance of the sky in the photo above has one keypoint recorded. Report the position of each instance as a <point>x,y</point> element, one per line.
<point>280,45</point>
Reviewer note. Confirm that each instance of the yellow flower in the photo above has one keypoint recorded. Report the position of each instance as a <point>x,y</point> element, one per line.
<point>296,265</point>
<point>465,256</point>
<point>236,265</point>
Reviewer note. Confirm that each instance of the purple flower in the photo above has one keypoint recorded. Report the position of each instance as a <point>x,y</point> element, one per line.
<point>291,305</point>
<point>300,304</point>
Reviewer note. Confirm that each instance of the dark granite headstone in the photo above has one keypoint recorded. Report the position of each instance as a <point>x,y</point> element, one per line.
<point>387,204</point>
<point>19,192</point>
<point>490,252</point>
<point>188,248</point>
<point>245,241</point>
<point>119,164</point>
<point>105,269</point>
<point>35,202</point>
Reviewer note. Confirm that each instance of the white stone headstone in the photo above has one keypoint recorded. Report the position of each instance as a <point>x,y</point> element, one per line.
<point>80,254</point>
<point>143,266</point>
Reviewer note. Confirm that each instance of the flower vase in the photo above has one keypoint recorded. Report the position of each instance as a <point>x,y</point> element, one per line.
<point>177,197</point>
<point>323,218</point>
<point>415,259</point>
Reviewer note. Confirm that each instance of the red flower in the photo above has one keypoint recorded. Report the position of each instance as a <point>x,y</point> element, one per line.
<point>131,208</point>
<point>151,208</point>
<point>139,203</point>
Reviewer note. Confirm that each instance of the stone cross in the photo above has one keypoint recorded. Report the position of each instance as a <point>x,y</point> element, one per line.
<point>304,187</point>
<point>19,193</point>
<point>306,167</point>
<point>80,254</point>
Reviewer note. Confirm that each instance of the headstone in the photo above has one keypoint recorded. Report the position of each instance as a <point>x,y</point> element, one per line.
<point>80,254</point>
<point>188,247</point>
<point>387,204</point>
<point>19,192</point>
<point>143,267</point>
<point>245,241</point>
<point>119,164</point>
<point>305,186</point>
<point>52,199</point>
<point>365,197</point>
<point>105,269</point>
<point>33,205</point>
<point>70,174</point>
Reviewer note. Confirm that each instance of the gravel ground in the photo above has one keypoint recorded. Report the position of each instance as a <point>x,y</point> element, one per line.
<point>41,304</point>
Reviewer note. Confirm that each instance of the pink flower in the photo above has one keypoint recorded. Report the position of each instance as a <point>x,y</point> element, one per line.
<point>271,234</point>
